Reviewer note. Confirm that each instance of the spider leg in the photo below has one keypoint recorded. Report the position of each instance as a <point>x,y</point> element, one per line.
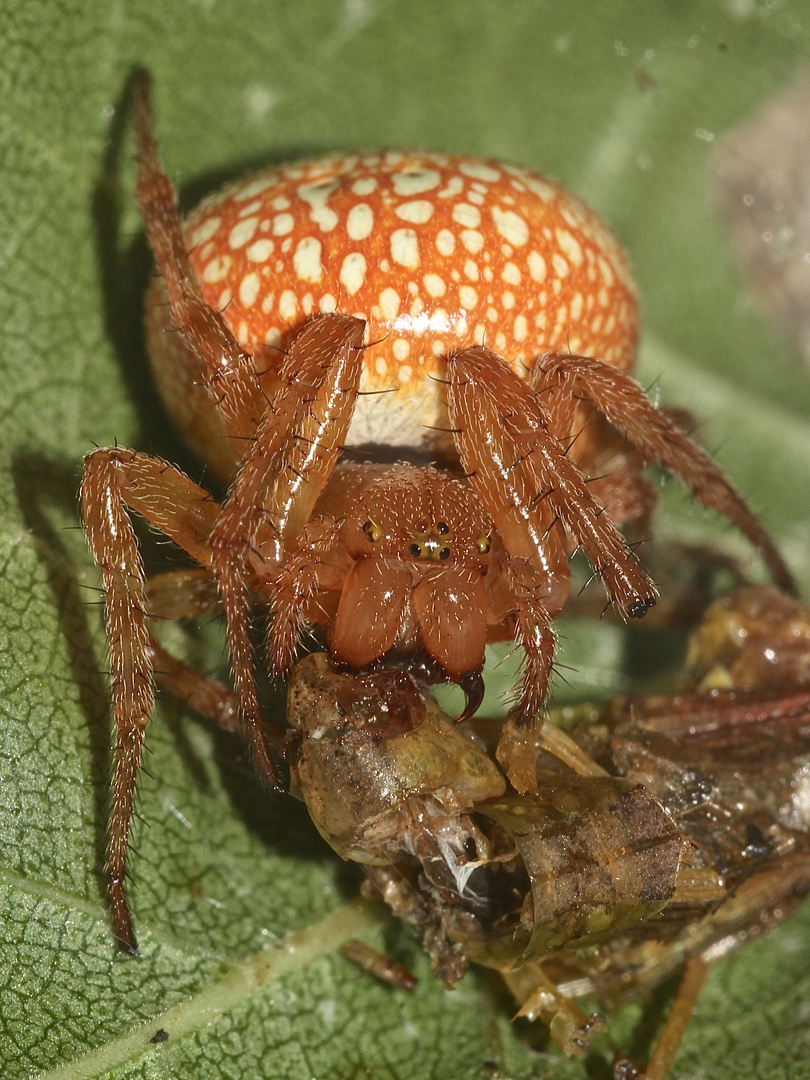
<point>625,495</point>
<point>229,370</point>
<point>531,489</point>
<point>114,482</point>
<point>182,594</point>
<point>320,562</point>
<point>518,742</point>
<point>659,438</point>
<point>206,695</point>
<point>526,481</point>
<point>518,594</point>
<point>295,449</point>
<point>292,441</point>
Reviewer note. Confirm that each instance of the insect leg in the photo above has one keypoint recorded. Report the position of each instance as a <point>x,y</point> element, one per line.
<point>570,1028</point>
<point>676,1023</point>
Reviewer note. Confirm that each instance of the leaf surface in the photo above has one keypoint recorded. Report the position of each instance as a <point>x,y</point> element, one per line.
<point>240,908</point>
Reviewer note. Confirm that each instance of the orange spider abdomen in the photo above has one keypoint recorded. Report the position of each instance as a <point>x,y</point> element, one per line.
<point>435,252</point>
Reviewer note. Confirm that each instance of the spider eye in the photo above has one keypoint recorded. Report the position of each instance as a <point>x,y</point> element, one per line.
<point>442,528</point>
<point>372,531</point>
<point>421,527</point>
<point>416,551</point>
<point>484,543</point>
<point>444,553</point>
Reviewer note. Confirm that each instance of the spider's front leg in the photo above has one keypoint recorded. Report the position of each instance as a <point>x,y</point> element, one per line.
<point>528,485</point>
<point>561,380</point>
<point>295,450</point>
<point>527,482</point>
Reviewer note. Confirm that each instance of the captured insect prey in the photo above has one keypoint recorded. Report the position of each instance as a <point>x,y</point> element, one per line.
<point>663,832</point>
<point>412,372</point>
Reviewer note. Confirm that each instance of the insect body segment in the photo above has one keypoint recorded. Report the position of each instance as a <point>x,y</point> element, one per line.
<point>675,842</point>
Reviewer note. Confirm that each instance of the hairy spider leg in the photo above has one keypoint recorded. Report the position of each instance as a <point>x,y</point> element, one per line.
<point>527,483</point>
<point>562,380</point>
<point>229,371</point>
<point>293,423</point>
<point>295,450</point>
<point>116,481</point>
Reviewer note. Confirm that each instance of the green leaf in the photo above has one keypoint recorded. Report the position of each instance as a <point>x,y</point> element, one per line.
<point>607,97</point>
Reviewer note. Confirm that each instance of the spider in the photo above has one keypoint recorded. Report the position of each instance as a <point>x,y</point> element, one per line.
<point>427,306</point>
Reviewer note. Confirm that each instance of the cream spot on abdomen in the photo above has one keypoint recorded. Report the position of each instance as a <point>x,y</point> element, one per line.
<point>418,211</point>
<point>205,231</point>
<point>454,186</point>
<point>365,185</point>
<point>561,266</point>
<point>537,266</point>
<point>469,217</point>
<point>467,297</point>
<point>360,222</point>
<point>511,226</point>
<point>260,251</point>
<point>445,242</point>
<point>249,289</point>
<point>479,170</point>
<point>434,285</point>
<point>317,195</point>
<point>570,247</point>
<point>242,232</point>
<point>283,224</point>
<point>415,181</point>
<point>607,272</point>
<point>353,272</point>
<point>288,305</point>
<point>390,301</point>
<point>473,241</point>
<point>255,187</point>
<point>217,269</point>
<point>307,260</point>
<point>405,248</point>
